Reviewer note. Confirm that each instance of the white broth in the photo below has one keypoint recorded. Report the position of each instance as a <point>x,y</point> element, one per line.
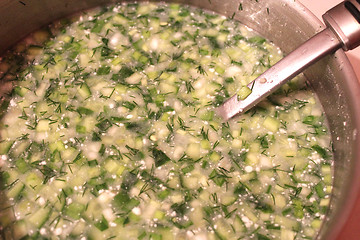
<point>111,133</point>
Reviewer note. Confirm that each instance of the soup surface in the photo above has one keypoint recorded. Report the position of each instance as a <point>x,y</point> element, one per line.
<point>111,133</point>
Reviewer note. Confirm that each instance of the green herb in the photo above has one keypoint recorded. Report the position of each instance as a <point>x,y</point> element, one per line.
<point>124,72</point>
<point>182,124</point>
<point>319,188</point>
<point>201,70</point>
<point>102,224</point>
<point>321,151</point>
<point>188,169</point>
<point>219,177</point>
<point>160,157</point>
<point>130,179</point>
<point>129,105</point>
<point>103,125</point>
<point>99,24</point>
<point>84,111</point>
<point>123,202</point>
<point>140,127</point>
<point>103,70</point>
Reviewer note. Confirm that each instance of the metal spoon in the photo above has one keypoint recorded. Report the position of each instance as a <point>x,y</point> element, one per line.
<point>342,31</point>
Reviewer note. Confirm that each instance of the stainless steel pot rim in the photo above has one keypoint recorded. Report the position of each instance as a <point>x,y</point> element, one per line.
<point>354,96</point>
<point>352,88</point>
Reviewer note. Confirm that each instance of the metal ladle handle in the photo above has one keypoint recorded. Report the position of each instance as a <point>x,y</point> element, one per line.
<point>343,31</point>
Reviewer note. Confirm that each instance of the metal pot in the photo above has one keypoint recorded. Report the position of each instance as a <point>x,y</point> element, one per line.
<point>284,22</point>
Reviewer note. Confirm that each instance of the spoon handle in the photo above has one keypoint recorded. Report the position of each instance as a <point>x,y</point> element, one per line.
<point>343,31</point>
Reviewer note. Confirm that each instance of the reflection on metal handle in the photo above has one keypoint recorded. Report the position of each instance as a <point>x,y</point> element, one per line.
<point>343,30</point>
<point>344,21</point>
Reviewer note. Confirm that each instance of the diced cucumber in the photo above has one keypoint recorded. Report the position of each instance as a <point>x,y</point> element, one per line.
<point>113,167</point>
<point>22,165</point>
<point>207,116</point>
<point>21,91</point>
<point>271,124</point>
<point>15,190</point>
<point>20,229</point>
<point>167,88</point>
<point>43,125</point>
<point>215,157</point>
<point>228,200</point>
<point>205,144</point>
<point>316,224</point>
<point>74,210</point>
<point>249,212</point>
<point>5,146</point>
<point>78,229</point>
<point>84,91</point>
<point>57,146</point>
<point>191,182</point>
<point>86,125</point>
<point>159,215</point>
<point>287,234</point>
<point>39,218</point>
<point>135,78</point>
<point>224,230</point>
<point>193,150</point>
<point>236,143</point>
<point>252,159</point>
<point>286,222</point>
<point>220,69</point>
<point>280,200</point>
<point>244,92</point>
<point>33,181</point>
<point>238,224</point>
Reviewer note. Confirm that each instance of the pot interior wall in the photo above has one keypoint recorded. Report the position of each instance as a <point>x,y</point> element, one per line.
<point>284,22</point>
